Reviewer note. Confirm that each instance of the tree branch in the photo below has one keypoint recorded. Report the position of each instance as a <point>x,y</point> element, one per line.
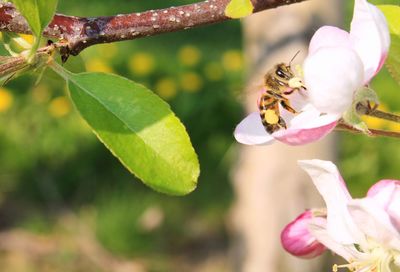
<point>80,32</point>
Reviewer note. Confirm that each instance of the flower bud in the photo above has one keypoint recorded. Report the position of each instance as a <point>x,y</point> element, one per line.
<point>297,239</point>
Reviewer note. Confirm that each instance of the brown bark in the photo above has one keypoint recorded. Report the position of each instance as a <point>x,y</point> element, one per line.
<point>80,32</point>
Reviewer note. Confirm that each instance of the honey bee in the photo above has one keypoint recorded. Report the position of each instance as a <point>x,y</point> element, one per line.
<point>278,83</point>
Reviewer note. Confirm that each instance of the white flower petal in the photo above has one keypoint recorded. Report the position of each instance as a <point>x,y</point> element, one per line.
<point>332,188</point>
<point>319,230</point>
<point>329,36</point>
<point>332,75</point>
<point>386,194</point>
<point>251,131</point>
<point>310,117</point>
<point>370,37</point>
<point>374,222</point>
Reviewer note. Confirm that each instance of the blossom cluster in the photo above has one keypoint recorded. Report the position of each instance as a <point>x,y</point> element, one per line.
<point>337,72</point>
<point>365,232</point>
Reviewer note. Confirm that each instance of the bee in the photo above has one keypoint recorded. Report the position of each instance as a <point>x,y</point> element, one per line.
<point>279,82</point>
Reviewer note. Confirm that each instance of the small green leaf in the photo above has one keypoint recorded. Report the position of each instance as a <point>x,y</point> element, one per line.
<point>352,117</point>
<point>139,129</point>
<point>14,43</point>
<point>393,60</point>
<point>239,9</point>
<point>392,14</point>
<point>37,13</point>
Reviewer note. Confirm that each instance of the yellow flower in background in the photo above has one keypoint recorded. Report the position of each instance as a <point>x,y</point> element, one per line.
<point>41,93</point>
<point>141,64</point>
<point>59,107</point>
<point>189,55</point>
<point>394,126</point>
<point>28,38</point>
<point>376,123</point>
<point>373,122</point>
<point>97,65</point>
<point>191,82</point>
<point>232,60</point>
<point>213,71</point>
<point>166,88</point>
<point>6,99</point>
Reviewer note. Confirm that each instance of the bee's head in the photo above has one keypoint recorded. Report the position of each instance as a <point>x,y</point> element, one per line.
<point>284,71</point>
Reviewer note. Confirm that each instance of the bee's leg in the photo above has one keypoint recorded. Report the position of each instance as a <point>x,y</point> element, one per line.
<point>274,94</point>
<point>271,119</point>
<point>267,102</point>
<point>290,91</point>
<point>282,123</point>
<point>286,105</point>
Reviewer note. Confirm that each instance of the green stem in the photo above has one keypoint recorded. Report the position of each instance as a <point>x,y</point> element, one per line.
<point>61,71</point>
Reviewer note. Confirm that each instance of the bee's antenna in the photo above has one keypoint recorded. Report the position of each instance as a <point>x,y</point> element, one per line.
<point>295,55</point>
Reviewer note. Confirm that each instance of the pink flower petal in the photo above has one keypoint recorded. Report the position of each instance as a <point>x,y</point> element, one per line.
<point>329,36</point>
<point>330,185</point>
<point>370,37</point>
<point>332,75</point>
<point>304,136</point>
<point>297,239</point>
<point>251,131</point>
<point>307,127</point>
<point>382,191</point>
<point>394,208</point>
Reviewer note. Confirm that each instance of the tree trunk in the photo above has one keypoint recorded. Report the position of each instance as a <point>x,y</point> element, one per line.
<point>271,189</point>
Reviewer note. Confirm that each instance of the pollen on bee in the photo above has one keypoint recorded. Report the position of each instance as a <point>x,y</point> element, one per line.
<point>271,117</point>
<point>295,82</point>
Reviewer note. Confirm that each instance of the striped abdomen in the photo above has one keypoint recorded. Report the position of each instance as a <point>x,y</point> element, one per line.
<point>269,112</point>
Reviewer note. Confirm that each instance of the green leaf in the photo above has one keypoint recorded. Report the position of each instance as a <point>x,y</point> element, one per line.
<point>37,13</point>
<point>138,128</point>
<point>239,9</point>
<point>393,60</point>
<point>392,14</point>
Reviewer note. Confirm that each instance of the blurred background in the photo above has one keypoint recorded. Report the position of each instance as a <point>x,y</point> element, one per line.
<point>66,204</point>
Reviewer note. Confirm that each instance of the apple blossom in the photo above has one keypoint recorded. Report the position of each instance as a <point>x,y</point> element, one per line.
<point>362,231</point>
<point>338,64</point>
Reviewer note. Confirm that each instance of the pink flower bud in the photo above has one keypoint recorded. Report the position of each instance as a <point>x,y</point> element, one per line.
<point>297,239</point>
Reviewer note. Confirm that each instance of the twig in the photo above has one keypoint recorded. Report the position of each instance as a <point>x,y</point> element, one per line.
<point>81,32</point>
<point>363,109</point>
<point>373,132</point>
